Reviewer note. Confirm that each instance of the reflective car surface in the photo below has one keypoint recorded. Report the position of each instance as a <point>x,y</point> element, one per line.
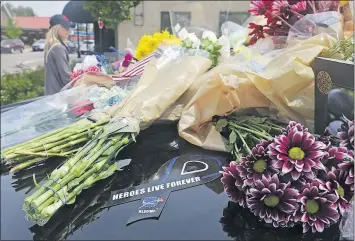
<point>198,213</point>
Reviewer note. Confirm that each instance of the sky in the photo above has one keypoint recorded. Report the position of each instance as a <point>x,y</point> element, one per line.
<point>43,8</point>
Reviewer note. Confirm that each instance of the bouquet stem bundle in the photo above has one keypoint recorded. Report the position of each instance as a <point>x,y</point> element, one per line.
<point>90,164</point>
<point>62,142</point>
<point>242,132</point>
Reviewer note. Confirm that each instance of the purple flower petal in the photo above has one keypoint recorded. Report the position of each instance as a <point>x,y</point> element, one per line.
<point>297,138</point>
<point>295,175</point>
<point>287,167</point>
<point>276,164</point>
<point>314,154</point>
<point>319,226</point>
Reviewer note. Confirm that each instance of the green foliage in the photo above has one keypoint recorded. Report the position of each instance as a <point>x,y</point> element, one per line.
<point>111,12</point>
<point>22,86</point>
<point>20,10</point>
<point>11,30</point>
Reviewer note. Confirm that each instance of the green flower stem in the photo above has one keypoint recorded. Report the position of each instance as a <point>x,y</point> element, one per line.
<point>10,149</point>
<point>254,138</point>
<point>251,131</point>
<point>55,138</point>
<point>40,154</point>
<point>250,127</point>
<point>110,143</point>
<point>48,135</point>
<point>89,178</point>
<point>255,126</point>
<point>60,172</point>
<point>56,186</point>
<point>245,145</point>
<point>26,164</point>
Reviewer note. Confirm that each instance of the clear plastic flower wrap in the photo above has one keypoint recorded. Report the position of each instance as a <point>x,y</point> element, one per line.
<point>314,24</point>
<point>347,224</point>
<point>56,111</point>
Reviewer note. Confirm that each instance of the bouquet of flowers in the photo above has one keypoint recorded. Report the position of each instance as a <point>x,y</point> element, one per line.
<point>282,15</point>
<point>218,48</point>
<point>295,179</point>
<point>89,64</point>
<point>149,43</point>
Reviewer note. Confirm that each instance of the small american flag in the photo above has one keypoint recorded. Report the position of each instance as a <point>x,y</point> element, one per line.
<point>130,77</point>
<point>138,68</point>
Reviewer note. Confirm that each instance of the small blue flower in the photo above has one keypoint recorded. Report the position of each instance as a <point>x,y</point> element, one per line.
<point>113,100</point>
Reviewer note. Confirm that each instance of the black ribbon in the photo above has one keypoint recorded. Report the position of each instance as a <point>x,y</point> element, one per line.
<point>178,173</point>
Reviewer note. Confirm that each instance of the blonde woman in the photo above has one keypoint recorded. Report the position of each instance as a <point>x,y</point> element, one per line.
<point>56,55</point>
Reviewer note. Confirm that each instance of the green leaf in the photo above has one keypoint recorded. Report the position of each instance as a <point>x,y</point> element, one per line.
<point>217,47</point>
<point>232,137</point>
<point>221,124</point>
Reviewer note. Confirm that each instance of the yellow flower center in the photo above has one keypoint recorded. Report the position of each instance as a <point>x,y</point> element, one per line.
<point>296,153</point>
<point>341,191</point>
<point>259,166</point>
<point>312,206</point>
<point>271,201</point>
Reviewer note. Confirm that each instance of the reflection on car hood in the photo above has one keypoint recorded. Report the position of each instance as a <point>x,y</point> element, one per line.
<point>197,213</point>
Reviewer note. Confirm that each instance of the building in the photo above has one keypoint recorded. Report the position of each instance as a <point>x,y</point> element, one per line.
<point>152,16</point>
<point>35,23</point>
<point>33,28</point>
<point>5,17</point>
<point>5,14</point>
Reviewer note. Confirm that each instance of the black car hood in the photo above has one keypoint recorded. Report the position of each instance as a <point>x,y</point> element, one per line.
<point>198,213</point>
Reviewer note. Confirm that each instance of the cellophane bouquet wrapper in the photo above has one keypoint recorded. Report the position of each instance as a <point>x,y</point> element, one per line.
<point>41,116</point>
<point>347,224</point>
<point>163,82</point>
<point>284,83</point>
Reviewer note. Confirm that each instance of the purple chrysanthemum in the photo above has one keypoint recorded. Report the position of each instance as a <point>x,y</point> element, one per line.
<point>291,125</point>
<point>297,153</point>
<point>272,201</point>
<point>286,221</point>
<point>317,210</point>
<point>253,166</point>
<point>335,183</point>
<point>335,155</point>
<point>346,134</point>
<point>233,184</point>
<point>347,166</point>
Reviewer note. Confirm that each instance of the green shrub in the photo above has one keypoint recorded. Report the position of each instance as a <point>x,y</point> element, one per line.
<point>22,86</point>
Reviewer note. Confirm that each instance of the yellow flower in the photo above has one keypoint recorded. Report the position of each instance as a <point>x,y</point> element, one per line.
<point>154,43</point>
<point>158,36</point>
<point>145,38</point>
<point>343,3</point>
<point>165,34</point>
<point>139,55</point>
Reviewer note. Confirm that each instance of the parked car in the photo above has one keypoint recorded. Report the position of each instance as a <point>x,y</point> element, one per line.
<point>87,47</point>
<point>38,45</point>
<point>12,45</point>
<point>202,212</point>
<point>72,46</point>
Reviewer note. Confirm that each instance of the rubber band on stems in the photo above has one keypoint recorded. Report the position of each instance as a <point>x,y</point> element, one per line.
<point>45,149</point>
<point>53,190</point>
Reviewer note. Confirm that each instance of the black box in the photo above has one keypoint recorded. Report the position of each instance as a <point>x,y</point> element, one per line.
<point>329,74</point>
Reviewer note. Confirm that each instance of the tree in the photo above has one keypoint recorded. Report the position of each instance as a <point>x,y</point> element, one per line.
<point>11,30</point>
<point>111,12</point>
<point>20,10</point>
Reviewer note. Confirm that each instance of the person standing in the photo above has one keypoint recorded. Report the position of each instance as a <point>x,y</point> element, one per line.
<point>56,55</point>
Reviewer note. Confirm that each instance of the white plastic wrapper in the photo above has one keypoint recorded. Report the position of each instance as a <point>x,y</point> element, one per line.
<point>347,224</point>
<point>88,61</point>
